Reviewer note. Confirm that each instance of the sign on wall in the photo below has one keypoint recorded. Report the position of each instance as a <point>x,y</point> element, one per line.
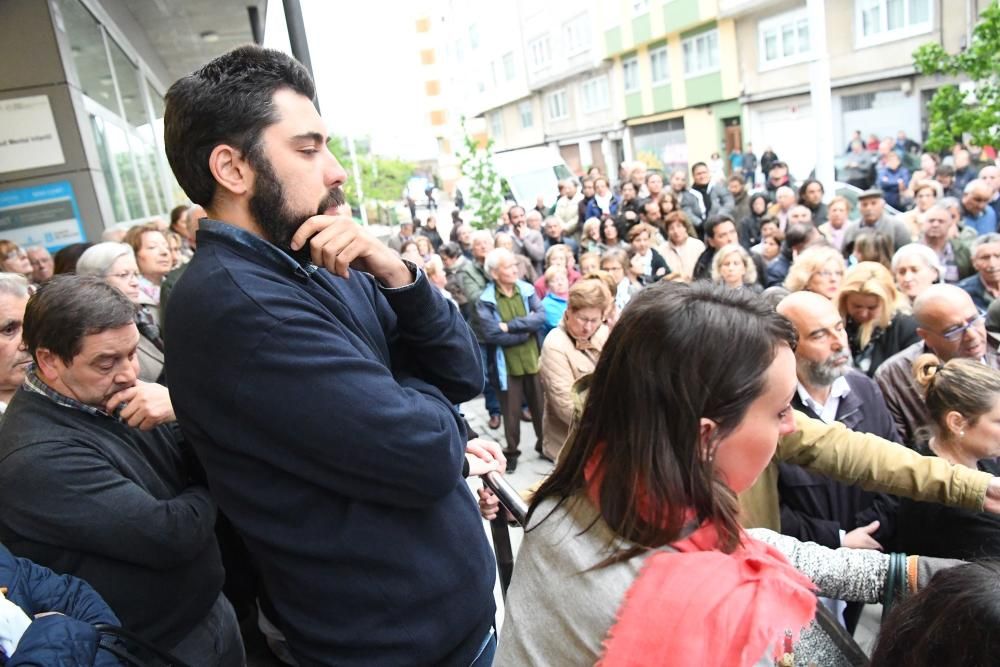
<point>28,135</point>
<point>41,215</point>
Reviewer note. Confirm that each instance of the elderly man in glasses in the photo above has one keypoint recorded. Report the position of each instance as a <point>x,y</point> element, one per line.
<point>949,325</point>
<point>984,285</point>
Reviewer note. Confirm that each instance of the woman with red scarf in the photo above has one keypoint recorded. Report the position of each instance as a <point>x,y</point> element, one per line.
<point>633,554</point>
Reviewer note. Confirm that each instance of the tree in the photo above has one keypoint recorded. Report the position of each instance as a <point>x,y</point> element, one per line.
<point>483,198</point>
<point>382,178</point>
<point>972,109</point>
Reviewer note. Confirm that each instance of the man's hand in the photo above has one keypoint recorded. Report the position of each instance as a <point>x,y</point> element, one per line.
<point>861,538</point>
<point>484,456</point>
<point>13,624</point>
<point>337,243</point>
<point>147,405</point>
<point>991,503</point>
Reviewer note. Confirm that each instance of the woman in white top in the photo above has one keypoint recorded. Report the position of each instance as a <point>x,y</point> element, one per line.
<point>681,249</point>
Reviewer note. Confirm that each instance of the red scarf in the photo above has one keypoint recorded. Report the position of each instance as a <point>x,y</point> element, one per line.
<point>699,606</point>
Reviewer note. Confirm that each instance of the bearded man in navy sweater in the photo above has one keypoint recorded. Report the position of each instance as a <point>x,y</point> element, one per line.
<point>316,375</point>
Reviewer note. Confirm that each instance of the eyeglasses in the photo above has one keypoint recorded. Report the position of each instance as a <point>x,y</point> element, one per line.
<point>955,333</point>
<point>583,321</point>
<point>830,274</point>
<point>15,254</point>
<point>126,275</point>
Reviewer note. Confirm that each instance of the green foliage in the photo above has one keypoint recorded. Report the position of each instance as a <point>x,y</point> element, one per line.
<point>382,179</point>
<point>954,112</point>
<point>483,199</point>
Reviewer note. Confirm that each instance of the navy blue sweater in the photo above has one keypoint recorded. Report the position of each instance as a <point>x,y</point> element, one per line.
<point>322,410</point>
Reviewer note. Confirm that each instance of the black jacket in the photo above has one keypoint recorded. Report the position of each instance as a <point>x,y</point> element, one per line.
<point>323,411</point>
<point>899,335</point>
<point>115,506</point>
<point>815,508</point>
<point>749,229</point>
<point>931,529</point>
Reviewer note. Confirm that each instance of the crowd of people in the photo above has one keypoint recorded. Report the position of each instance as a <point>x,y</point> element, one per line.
<point>751,400</point>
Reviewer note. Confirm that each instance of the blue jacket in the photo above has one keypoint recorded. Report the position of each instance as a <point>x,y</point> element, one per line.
<point>984,223</point>
<point>888,180</point>
<point>554,307</point>
<point>68,640</point>
<point>594,211</point>
<point>518,330</point>
<point>977,290</point>
<point>323,411</point>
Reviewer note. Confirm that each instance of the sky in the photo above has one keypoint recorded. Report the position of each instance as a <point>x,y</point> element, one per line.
<point>366,66</point>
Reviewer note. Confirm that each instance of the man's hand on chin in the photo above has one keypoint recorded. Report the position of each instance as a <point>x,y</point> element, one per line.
<point>337,243</point>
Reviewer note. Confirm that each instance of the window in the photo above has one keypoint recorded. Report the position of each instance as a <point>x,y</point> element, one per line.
<point>540,52</point>
<point>658,65</point>
<point>594,94</point>
<point>508,66</point>
<point>577,35</point>
<point>878,21</point>
<point>557,105</point>
<point>493,72</point>
<point>640,7</point>
<point>527,116</point>
<point>701,53</point>
<point>630,74</point>
<point>473,37</point>
<point>784,39</point>
<point>496,124</point>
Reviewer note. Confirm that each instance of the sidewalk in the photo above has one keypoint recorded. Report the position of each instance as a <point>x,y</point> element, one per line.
<point>530,466</point>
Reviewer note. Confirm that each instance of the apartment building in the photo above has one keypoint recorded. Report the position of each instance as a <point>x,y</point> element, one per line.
<point>674,64</point>
<point>874,86</point>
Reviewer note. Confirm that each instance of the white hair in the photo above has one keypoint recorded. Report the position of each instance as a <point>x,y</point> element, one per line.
<point>925,253</point>
<point>98,259</point>
<point>494,258</point>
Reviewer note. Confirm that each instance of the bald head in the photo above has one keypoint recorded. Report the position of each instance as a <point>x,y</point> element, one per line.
<point>949,322</point>
<point>822,354</point>
<point>804,305</point>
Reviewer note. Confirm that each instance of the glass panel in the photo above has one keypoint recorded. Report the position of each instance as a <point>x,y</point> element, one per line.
<point>895,14</point>
<point>920,11</point>
<point>87,49</point>
<point>871,20</point>
<point>104,155</point>
<point>128,84</point>
<point>701,46</point>
<point>804,46</point>
<point>145,158</point>
<point>770,45</point>
<point>787,40</point>
<point>713,49</point>
<point>688,57</point>
<point>118,151</point>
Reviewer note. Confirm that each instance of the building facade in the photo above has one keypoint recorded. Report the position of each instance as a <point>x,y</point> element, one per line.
<point>874,86</point>
<point>81,108</point>
<point>675,69</point>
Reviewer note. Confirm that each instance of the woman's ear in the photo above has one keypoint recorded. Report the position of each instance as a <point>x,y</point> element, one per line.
<point>956,423</point>
<point>706,436</point>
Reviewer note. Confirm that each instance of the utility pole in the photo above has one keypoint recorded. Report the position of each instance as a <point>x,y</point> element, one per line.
<point>300,50</point>
<point>819,93</point>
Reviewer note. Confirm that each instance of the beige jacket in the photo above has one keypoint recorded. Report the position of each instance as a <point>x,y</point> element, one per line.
<point>866,460</point>
<point>562,363</point>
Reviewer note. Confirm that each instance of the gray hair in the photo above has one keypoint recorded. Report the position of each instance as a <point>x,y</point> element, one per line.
<point>929,257</point>
<point>980,241</point>
<point>494,258</point>
<point>98,259</point>
<point>14,284</point>
<point>975,183</point>
<point>482,235</point>
<point>950,203</point>
<point>532,214</point>
<point>783,190</point>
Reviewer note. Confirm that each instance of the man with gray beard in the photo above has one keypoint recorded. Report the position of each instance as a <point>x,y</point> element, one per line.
<point>815,508</point>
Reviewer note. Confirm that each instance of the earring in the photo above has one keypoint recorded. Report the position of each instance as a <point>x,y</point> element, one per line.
<point>961,434</point>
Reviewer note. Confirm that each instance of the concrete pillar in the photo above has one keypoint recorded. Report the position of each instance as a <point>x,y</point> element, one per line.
<point>33,65</point>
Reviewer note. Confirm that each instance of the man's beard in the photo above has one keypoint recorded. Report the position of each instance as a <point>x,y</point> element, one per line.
<point>823,373</point>
<point>270,210</point>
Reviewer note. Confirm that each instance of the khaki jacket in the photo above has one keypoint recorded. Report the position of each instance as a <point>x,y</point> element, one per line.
<point>866,460</point>
<point>563,362</point>
<point>853,458</point>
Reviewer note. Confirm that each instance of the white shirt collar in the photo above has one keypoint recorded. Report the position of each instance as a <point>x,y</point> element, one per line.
<point>828,411</point>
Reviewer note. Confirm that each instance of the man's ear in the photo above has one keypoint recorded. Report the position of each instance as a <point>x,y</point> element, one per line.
<point>230,169</point>
<point>48,363</point>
